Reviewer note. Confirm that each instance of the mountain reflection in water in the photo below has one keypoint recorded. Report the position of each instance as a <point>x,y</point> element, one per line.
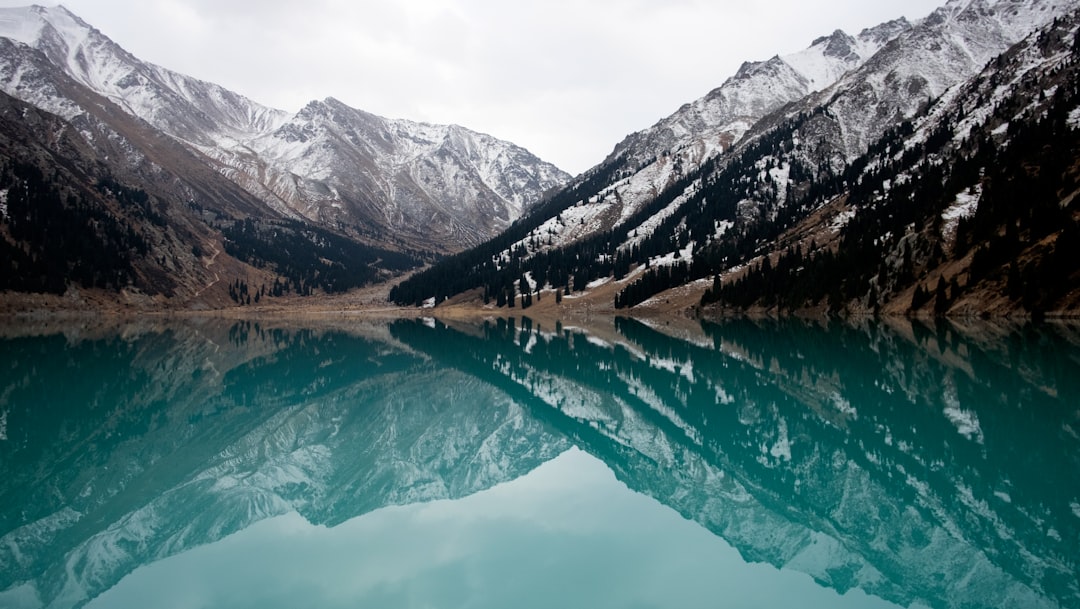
<point>933,465</point>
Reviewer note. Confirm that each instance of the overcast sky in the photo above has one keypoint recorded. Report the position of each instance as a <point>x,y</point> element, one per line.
<point>567,79</point>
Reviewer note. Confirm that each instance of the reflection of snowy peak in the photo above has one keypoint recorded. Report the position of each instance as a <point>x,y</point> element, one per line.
<point>802,459</point>
<point>424,186</point>
<point>340,434</point>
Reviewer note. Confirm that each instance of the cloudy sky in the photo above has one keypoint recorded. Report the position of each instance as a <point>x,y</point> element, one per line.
<point>567,79</point>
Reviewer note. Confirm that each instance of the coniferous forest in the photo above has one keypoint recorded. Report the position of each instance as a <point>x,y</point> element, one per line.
<point>1023,235</point>
<point>49,238</point>
<point>1018,162</point>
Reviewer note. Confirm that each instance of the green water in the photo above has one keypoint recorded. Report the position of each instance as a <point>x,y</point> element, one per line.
<point>412,464</point>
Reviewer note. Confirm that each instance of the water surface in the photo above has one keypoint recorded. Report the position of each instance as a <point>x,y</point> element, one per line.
<point>415,464</point>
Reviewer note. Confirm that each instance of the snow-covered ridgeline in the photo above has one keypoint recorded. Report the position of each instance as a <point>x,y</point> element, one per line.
<point>328,162</point>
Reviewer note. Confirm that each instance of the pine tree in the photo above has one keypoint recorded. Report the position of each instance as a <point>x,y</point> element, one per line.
<point>941,298</point>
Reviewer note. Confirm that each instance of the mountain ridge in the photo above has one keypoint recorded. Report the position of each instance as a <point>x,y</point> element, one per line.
<point>676,220</point>
<point>236,134</point>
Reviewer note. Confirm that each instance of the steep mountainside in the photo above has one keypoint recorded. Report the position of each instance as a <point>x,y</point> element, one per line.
<point>107,210</point>
<point>715,122</point>
<point>431,186</point>
<point>967,209</point>
<point>389,182</point>
<point>792,170</point>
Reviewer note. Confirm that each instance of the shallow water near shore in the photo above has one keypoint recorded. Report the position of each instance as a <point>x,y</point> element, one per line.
<point>412,463</point>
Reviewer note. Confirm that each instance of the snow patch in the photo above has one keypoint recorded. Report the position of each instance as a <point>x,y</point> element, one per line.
<point>966,422</point>
<point>529,346</point>
<point>1074,118</point>
<point>20,26</point>
<point>782,448</point>
<point>844,406</point>
<point>964,207</point>
<point>599,342</point>
<point>592,285</point>
<point>841,220</point>
<point>722,227</point>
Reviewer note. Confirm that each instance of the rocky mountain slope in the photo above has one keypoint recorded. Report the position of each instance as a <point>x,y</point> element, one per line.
<point>439,187</point>
<point>214,199</point>
<point>685,219</point>
<point>104,210</point>
<point>969,205</point>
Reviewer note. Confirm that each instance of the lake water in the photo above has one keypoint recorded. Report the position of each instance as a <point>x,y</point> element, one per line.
<point>414,464</point>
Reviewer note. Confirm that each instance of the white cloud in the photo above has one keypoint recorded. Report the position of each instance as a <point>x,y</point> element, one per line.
<point>566,79</point>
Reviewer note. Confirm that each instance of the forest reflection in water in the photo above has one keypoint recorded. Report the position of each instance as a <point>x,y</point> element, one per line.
<point>921,464</point>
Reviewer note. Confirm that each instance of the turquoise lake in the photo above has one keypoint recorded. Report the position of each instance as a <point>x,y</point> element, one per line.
<point>411,463</point>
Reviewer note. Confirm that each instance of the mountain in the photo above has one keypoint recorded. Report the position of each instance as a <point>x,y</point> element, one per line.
<point>231,198</point>
<point>440,188</point>
<point>969,205</point>
<point>779,169</point>
<point>428,186</point>
<point>105,211</point>
<point>713,123</point>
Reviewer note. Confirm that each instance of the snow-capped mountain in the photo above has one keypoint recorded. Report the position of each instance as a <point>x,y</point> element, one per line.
<point>438,188</point>
<point>669,208</point>
<point>947,206</point>
<point>423,184</point>
<point>105,210</point>
<point>647,162</point>
<point>715,122</point>
<point>947,48</point>
<point>191,110</point>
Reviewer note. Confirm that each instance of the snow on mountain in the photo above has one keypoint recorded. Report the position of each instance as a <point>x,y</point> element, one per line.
<point>716,121</point>
<point>445,183</point>
<point>713,182</point>
<point>184,107</point>
<point>649,161</point>
<point>943,50</point>
<point>425,186</point>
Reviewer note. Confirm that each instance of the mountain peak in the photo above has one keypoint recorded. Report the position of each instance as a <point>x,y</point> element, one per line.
<point>377,180</point>
<point>884,32</point>
<point>29,24</point>
<point>839,45</point>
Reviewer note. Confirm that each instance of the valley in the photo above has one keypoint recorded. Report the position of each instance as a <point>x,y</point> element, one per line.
<point>923,167</point>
